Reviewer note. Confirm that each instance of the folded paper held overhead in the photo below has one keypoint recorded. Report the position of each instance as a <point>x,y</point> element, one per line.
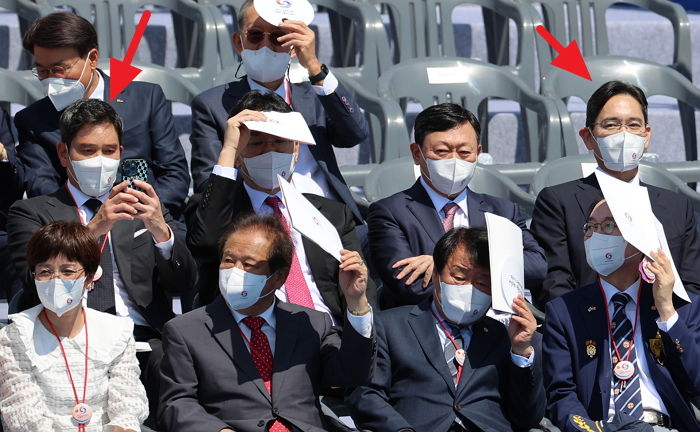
<point>275,11</point>
<point>291,126</point>
<point>506,261</point>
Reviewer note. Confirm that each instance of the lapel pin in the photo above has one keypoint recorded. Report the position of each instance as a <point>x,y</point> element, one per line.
<point>592,308</point>
<point>120,101</point>
<point>653,307</point>
<point>591,348</point>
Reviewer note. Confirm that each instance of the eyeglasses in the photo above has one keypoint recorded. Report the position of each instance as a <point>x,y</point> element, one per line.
<point>606,227</point>
<point>53,70</point>
<point>616,126</point>
<point>44,274</point>
<point>257,36</point>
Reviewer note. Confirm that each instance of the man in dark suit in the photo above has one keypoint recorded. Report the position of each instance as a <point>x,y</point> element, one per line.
<point>593,334</point>
<point>561,210</point>
<point>218,372</point>
<point>259,157</point>
<point>64,46</point>
<point>329,110</point>
<point>404,227</point>
<point>12,179</point>
<point>143,262</point>
<point>442,366</point>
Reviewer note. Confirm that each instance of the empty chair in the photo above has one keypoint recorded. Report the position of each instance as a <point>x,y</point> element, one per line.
<point>27,11</point>
<point>20,87</point>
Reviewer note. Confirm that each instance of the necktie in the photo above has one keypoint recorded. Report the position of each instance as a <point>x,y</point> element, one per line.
<point>627,394</point>
<point>101,297</point>
<point>262,358</point>
<point>449,221</point>
<point>295,285</point>
<point>450,349</point>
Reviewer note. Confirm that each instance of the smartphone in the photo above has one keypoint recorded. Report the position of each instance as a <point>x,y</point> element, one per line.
<point>134,169</point>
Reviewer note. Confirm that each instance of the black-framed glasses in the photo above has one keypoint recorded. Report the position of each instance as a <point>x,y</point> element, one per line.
<point>46,273</point>
<point>256,36</point>
<point>633,126</point>
<point>606,227</point>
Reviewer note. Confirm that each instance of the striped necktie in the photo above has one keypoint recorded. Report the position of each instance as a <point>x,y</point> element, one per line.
<point>627,394</point>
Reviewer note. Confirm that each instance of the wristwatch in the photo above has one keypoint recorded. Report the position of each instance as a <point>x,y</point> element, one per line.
<point>319,76</point>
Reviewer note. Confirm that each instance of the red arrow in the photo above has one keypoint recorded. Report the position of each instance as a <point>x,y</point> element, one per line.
<point>121,71</point>
<point>569,58</point>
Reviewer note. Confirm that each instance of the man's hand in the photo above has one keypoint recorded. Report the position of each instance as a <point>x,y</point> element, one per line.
<point>3,153</point>
<point>353,281</point>
<point>118,206</point>
<point>522,328</point>
<point>236,136</point>
<point>149,211</point>
<point>303,39</point>
<point>663,284</point>
<point>419,266</point>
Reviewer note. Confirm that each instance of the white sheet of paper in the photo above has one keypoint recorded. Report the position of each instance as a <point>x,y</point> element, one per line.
<point>143,347</point>
<point>276,11</point>
<point>587,168</point>
<point>309,221</point>
<point>291,126</point>
<point>506,259</point>
<point>678,288</point>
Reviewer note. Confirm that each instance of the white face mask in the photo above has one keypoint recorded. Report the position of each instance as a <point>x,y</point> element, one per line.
<point>60,295</point>
<point>264,65</point>
<point>240,288</point>
<point>621,151</point>
<point>263,169</point>
<point>605,253</point>
<point>95,176</point>
<point>449,176</point>
<point>63,92</point>
<point>463,304</point>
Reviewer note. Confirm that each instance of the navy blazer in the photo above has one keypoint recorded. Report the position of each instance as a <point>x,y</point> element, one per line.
<point>149,134</point>
<point>557,224</point>
<point>209,381</point>
<point>334,120</point>
<point>11,172</point>
<point>406,225</point>
<point>412,386</point>
<point>579,383</point>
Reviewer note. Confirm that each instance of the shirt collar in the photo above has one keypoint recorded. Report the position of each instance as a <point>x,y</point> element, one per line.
<point>281,90</point>
<point>439,201</point>
<point>610,290</point>
<point>81,198</point>
<point>99,92</point>
<point>634,181</point>
<point>257,198</point>
<point>437,316</point>
<point>268,315</point>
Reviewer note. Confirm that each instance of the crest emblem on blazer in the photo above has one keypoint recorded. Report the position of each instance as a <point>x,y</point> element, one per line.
<point>656,346</point>
<point>591,348</point>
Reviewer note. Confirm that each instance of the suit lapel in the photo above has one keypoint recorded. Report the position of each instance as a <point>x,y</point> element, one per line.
<point>591,313</point>
<point>62,207</point>
<point>480,346</point>
<point>285,340</point>
<point>589,193</point>
<point>223,327</point>
<point>476,207</point>
<point>105,78</point>
<point>421,206</point>
<point>422,323</point>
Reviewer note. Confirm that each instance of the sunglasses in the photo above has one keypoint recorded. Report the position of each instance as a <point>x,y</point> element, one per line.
<point>257,36</point>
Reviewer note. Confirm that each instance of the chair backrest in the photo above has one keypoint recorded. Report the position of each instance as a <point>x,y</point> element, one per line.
<point>27,12</point>
<point>585,22</point>
<point>468,83</point>
<point>652,78</point>
<point>175,87</point>
<point>20,87</point>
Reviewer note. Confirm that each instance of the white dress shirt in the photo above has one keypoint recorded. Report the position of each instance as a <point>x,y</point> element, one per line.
<point>308,177</point>
<point>35,392</point>
<point>361,323</point>
<point>99,92</point>
<point>125,307</point>
<point>634,180</point>
<point>461,216</point>
<point>650,396</point>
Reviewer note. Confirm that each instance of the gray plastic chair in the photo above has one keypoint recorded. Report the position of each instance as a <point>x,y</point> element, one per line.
<point>653,78</point>
<point>20,87</point>
<point>479,81</point>
<point>27,12</point>
<point>202,51</point>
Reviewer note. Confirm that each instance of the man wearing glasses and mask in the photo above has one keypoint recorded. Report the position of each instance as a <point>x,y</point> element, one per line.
<point>334,118</point>
<point>618,134</point>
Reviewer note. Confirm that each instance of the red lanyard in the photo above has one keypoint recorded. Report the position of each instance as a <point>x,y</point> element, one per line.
<point>610,329</point>
<point>81,427</point>
<point>83,221</point>
<point>454,342</point>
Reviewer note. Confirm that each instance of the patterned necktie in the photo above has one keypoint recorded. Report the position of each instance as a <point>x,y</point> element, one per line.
<point>262,358</point>
<point>627,394</point>
<point>101,297</point>
<point>295,285</point>
<point>450,349</point>
<point>449,221</point>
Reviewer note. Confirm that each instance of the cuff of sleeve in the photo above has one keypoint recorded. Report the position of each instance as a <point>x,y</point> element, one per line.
<point>330,83</point>
<point>666,326</point>
<point>362,323</point>
<point>228,172</point>
<point>165,249</point>
<point>125,422</point>
<point>523,362</point>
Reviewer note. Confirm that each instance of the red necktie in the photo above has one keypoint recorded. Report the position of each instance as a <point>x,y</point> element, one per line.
<point>295,285</point>
<point>262,358</point>
<point>450,209</point>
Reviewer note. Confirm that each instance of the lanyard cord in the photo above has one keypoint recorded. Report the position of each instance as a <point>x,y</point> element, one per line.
<point>610,329</point>
<point>452,339</point>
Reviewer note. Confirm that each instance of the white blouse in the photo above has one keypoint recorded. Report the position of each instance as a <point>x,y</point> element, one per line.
<point>35,391</point>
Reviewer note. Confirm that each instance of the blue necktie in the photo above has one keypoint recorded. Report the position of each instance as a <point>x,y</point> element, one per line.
<point>627,394</point>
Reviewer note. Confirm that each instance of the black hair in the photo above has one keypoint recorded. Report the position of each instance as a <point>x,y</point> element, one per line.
<point>242,12</point>
<point>70,239</point>
<point>605,92</point>
<point>443,117</point>
<point>59,30</point>
<point>256,101</point>
<point>475,241</point>
<point>87,112</point>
